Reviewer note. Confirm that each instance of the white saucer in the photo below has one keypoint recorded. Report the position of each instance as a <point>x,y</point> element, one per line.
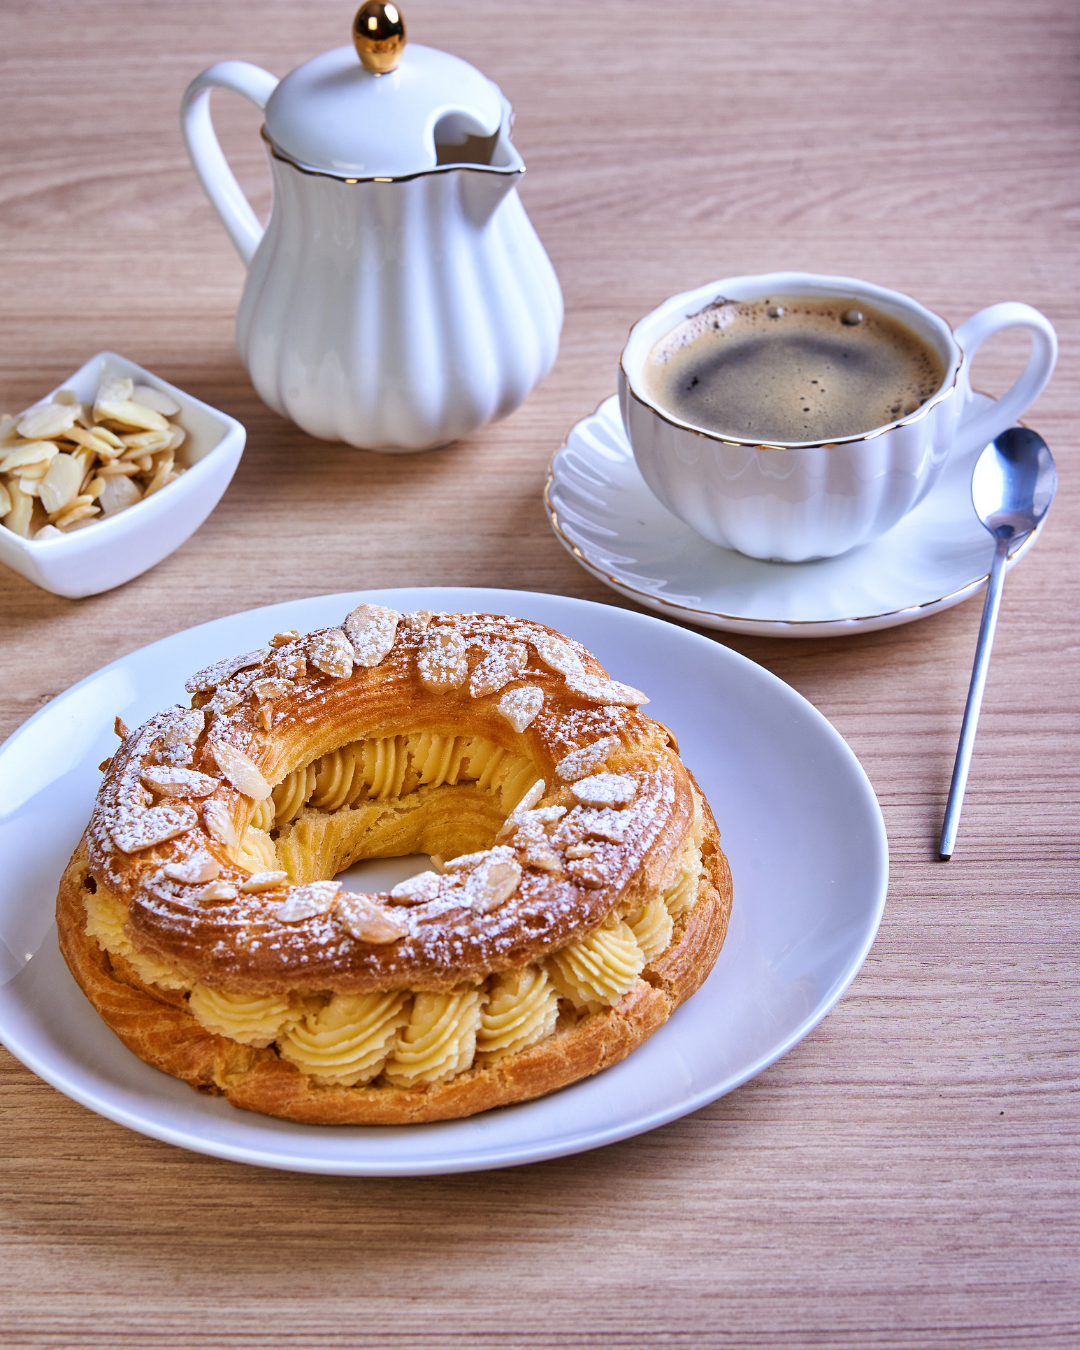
<point>801,827</point>
<point>605,515</point>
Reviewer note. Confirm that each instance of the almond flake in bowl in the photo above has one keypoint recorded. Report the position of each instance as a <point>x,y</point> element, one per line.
<point>84,473</point>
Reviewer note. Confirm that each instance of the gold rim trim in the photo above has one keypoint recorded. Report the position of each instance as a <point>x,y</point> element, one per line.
<point>650,599</point>
<point>277,153</point>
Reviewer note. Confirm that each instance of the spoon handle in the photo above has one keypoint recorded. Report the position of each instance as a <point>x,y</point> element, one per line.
<point>991,605</point>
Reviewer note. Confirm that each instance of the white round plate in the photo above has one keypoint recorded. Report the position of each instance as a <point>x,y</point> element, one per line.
<point>800,824</point>
<point>605,516</point>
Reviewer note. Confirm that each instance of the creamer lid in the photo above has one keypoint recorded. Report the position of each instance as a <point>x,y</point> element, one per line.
<point>334,116</point>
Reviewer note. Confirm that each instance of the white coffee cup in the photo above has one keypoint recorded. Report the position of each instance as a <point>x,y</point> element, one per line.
<point>791,502</point>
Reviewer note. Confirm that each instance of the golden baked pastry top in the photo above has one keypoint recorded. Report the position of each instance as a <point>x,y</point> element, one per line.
<point>204,825</point>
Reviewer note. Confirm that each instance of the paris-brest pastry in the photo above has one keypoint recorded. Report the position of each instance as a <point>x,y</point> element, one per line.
<point>577,893</point>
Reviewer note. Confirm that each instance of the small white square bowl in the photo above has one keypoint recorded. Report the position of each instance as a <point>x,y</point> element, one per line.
<point>116,548</point>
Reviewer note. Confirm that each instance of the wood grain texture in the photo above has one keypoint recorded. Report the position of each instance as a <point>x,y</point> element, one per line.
<point>907,1176</point>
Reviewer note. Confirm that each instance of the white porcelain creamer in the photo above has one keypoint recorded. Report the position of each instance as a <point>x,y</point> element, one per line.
<point>399,296</point>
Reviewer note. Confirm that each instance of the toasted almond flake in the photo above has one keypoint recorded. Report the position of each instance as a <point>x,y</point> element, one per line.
<point>371,629</point>
<point>264,719</point>
<point>178,782</point>
<point>282,639</point>
<point>578,763</point>
<point>331,652</point>
<point>128,414</point>
<point>217,890</point>
<point>362,919</point>
<point>199,867</point>
<point>46,420</point>
<point>605,789</point>
<point>557,653</point>
<point>120,728</point>
<point>501,665</point>
<point>271,687</point>
<point>241,771</point>
<point>304,902</point>
<point>153,826</point>
<point>416,890</point>
<point>33,452</point>
<point>211,676</point>
<point>587,872</point>
<point>492,883</point>
<point>441,662</point>
<point>520,706</point>
<point>157,399</point>
<point>611,692</point>
<point>264,881</point>
<point>219,824</point>
<point>542,857</point>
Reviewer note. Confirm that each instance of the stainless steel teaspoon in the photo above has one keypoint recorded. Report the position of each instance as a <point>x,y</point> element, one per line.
<point>1012,487</point>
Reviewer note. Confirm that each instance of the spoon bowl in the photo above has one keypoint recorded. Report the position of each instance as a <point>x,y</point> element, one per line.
<point>1011,489</point>
<point>1014,483</point>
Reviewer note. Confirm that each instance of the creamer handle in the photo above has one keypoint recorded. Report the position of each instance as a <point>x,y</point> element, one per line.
<point>255,84</point>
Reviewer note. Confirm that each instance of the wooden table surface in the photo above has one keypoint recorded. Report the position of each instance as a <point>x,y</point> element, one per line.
<point>907,1176</point>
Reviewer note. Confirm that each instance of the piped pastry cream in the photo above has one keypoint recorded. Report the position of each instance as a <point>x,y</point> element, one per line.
<point>577,895</point>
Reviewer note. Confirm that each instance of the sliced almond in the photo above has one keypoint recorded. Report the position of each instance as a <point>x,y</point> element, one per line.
<point>127,414</point>
<point>120,728</point>
<point>283,639</point>
<point>241,771</point>
<point>48,532</point>
<point>31,452</point>
<point>61,484</point>
<point>22,511</point>
<point>46,420</point>
<point>156,399</point>
<point>116,493</point>
<point>75,515</point>
<point>114,388</point>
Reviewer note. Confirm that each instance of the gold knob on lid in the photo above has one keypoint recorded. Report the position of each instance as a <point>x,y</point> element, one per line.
<point>379,34</point>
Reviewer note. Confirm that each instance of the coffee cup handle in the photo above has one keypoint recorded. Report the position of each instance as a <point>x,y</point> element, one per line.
<point>978,431</point>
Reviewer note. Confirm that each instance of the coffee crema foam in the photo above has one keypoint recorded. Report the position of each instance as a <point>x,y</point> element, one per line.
<point>791,368</point>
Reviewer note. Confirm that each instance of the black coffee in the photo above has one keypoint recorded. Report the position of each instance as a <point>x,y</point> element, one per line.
<point>791,368</point>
